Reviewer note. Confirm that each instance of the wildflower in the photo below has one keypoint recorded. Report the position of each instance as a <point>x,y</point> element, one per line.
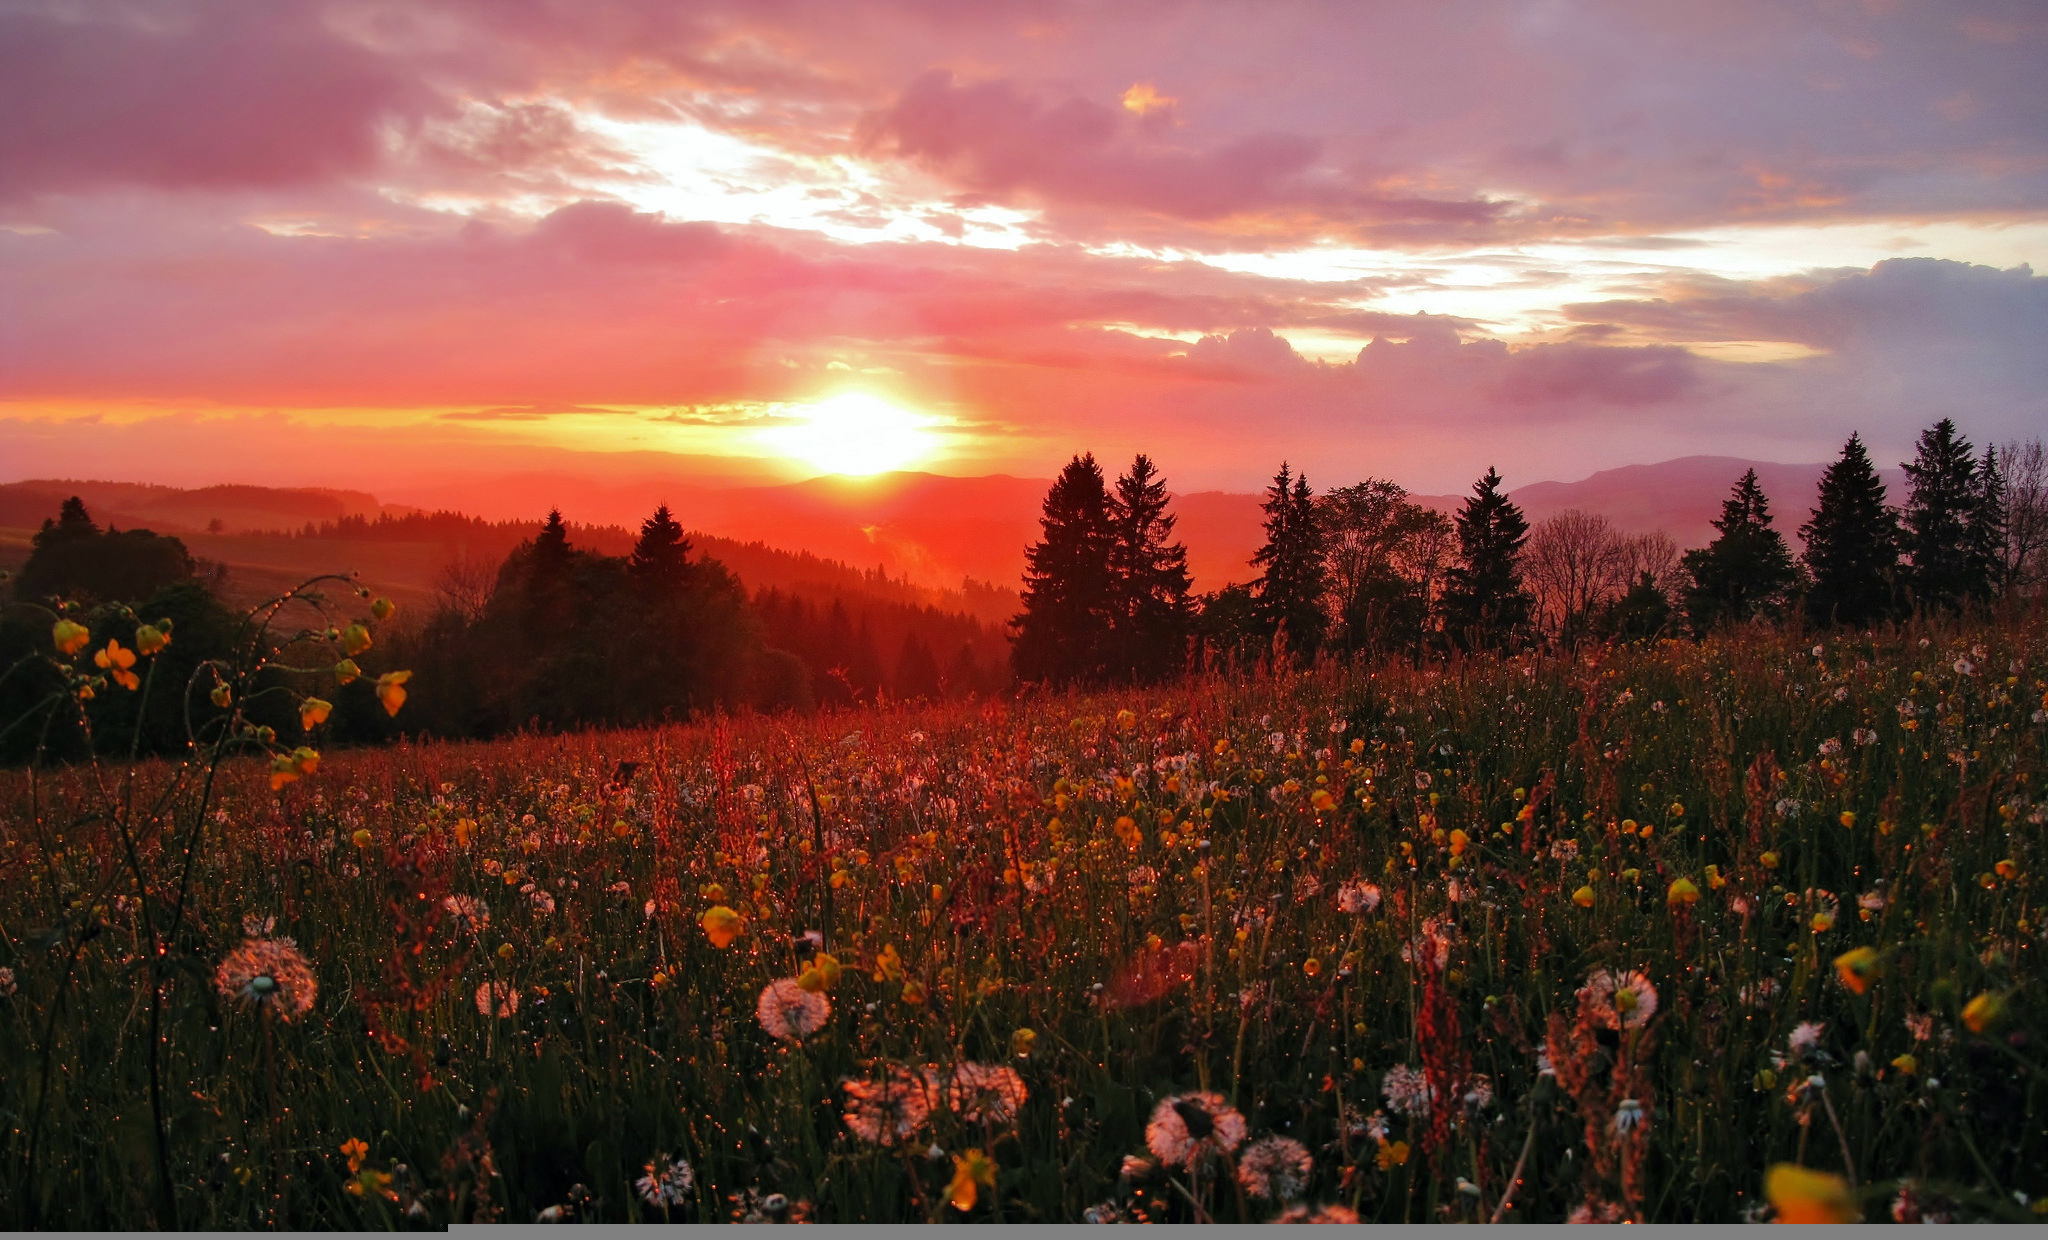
<point>1391,1155</point>
<point>354,640</point>
<point>391,690</point>
<point>2007,869</point>
<point>1983,1011</point>
<point>1803,1196</point>
<point>220,695</point>
<point>721,926</point>
<point>1907,1064</point>
<point>150,638</point>
<point>382,608</point>
<point>1857,968</point>
<point>1275,1167</point>
<point>1583,897</point>
<point>496,998</point>
<point>70,637</point>
<point>1964,667</point>
<point>885,1112</point>
<point>1831,746</point>
<point>6,982</point>
<point>971,1171</point>
<point>1920,1025</point>
<point>269,973</point>
<point>257,925</point>
<point>789,1012</point>
<point>313,712</point>
<point>1186,1126</point>
<point>1587,1212</point>
<point>988,1093</point>
<point>1620,1000</point>
<point>354,1150</point>
<point>467,909</point>
<point>1768,860</point>
<point>1629,1116</point>
<point>1848,818</point>
<point>1407,1090</point>
<point>1321,801</point>
<point>1683,891</point>
<point>1864,736</point>
<point>116,659</point>
<point>665,1186</point>
<point>346,672</point>
<point>1714,880</point>
<point>1805,1036</point>
<point>1357,897</point>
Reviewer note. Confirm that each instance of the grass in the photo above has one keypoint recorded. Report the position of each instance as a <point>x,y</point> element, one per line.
<point>1126,898</point>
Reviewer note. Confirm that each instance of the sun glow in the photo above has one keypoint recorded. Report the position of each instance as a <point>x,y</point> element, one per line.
<point>854,433</point>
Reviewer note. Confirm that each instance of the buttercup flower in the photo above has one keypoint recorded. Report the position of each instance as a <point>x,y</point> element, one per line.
<point>391,691</point>
<point>117,659</point>
<point>313,712</point>
<point>70,637</point>
<point>1803,1196</point>
<point>971,1171</point>
<point>721,925</point>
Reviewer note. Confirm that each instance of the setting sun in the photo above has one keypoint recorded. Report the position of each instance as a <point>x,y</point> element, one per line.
<point>855,433</point>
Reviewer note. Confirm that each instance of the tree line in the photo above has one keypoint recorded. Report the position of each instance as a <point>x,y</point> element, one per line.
<point>1365,570</point>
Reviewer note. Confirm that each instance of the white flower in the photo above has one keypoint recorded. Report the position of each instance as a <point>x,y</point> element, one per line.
<point>1629,1116</point>
<point>1965,668</point>
<point>666,1186</point>
<point>1805,1036</point>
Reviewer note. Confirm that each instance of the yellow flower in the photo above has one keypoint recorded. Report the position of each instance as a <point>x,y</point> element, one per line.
<point>361,839</point>
<point>2007,869</point>
<point>149,639</point>
<point>354,640</point>
<point>913,992</point>
<point>1802,1196</point>
<point>1857,968</point>
<point>117,659</point>
<point>1321,801</point>
<point>812,980</point>
<point>1683,891</point>
<point>970,1170</point>
<point>346,672</point>
<point>827,967</point>
<point>1906,1064</point>
<point>354,1149</point>
<point>1983,1011</point>
<point>1848,817</point>
<point>1021,1042</point>
<point>221,695</point>
<point>888,965</point>
<point>1583,897</point>
<point>1312,967</point>
<point>1459,841</point>
<point>1769,861</point>
<point>1392,1155</point>
<point>391,690</point>
<point>313,712</point>
<point>70,636</point>
<point>382,609</point>
<point>1823,922</point>
<point>721,926</point>
<point>287,767</point>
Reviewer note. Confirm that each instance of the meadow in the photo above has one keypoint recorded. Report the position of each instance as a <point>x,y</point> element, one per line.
<point>1605,937</point>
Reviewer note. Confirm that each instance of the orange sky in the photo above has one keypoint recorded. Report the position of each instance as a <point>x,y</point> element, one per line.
<point>381,245</point>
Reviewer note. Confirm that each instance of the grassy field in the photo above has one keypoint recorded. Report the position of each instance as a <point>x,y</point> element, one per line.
<point>1509,940</point>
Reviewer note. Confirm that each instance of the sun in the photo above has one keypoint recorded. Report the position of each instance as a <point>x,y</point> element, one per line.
<point>855,433</point>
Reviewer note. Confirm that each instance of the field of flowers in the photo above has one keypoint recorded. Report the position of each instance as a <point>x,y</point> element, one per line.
<point>1635,936</point>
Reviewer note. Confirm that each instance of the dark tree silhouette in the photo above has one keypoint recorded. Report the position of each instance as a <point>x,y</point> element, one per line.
<point>660,563</point>
<point>917,671</point>
<point>1151,615</point>
<point>1290,590</point>
<point>1745,572</point>
<point>1852,544</point>
<point>1484,602</point>
<point>1643,610</point>
<point>1947,568</point>
<point>1065,631</point>
<point>72,557</point>
<point>1988,575</point>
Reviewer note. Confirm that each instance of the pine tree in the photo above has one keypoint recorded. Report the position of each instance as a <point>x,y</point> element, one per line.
<point>1290,591</point>
<point>1947,567</point>
<point>1149,578</point>
<point>1065,631</point>
<point>1852,544</point>
<point>1745,572</point>
<point>1484,602</point>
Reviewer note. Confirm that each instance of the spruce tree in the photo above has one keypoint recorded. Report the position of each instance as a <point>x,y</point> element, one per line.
<point>1852,544</point>
<point>1746,571</point>
<point>1947,567</point>
<point>1484,602</point>
<point>660,564</point>
<point>1290,592</point>
<point>1065,632</point>
<point>1987,530</point>
<point>1148,577</point>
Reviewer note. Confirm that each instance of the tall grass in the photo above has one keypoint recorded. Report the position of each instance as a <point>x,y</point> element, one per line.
<point>1127,898</point>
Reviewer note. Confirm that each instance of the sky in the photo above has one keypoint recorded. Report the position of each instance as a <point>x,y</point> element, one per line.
<point>371,244</point>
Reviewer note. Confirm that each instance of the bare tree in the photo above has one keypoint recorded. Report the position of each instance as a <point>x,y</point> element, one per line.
<point>464,585</point>
<point>1574,563</point>
<point>1654,553</point>
<point>1378,535</point>
<point>2025,562</point>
